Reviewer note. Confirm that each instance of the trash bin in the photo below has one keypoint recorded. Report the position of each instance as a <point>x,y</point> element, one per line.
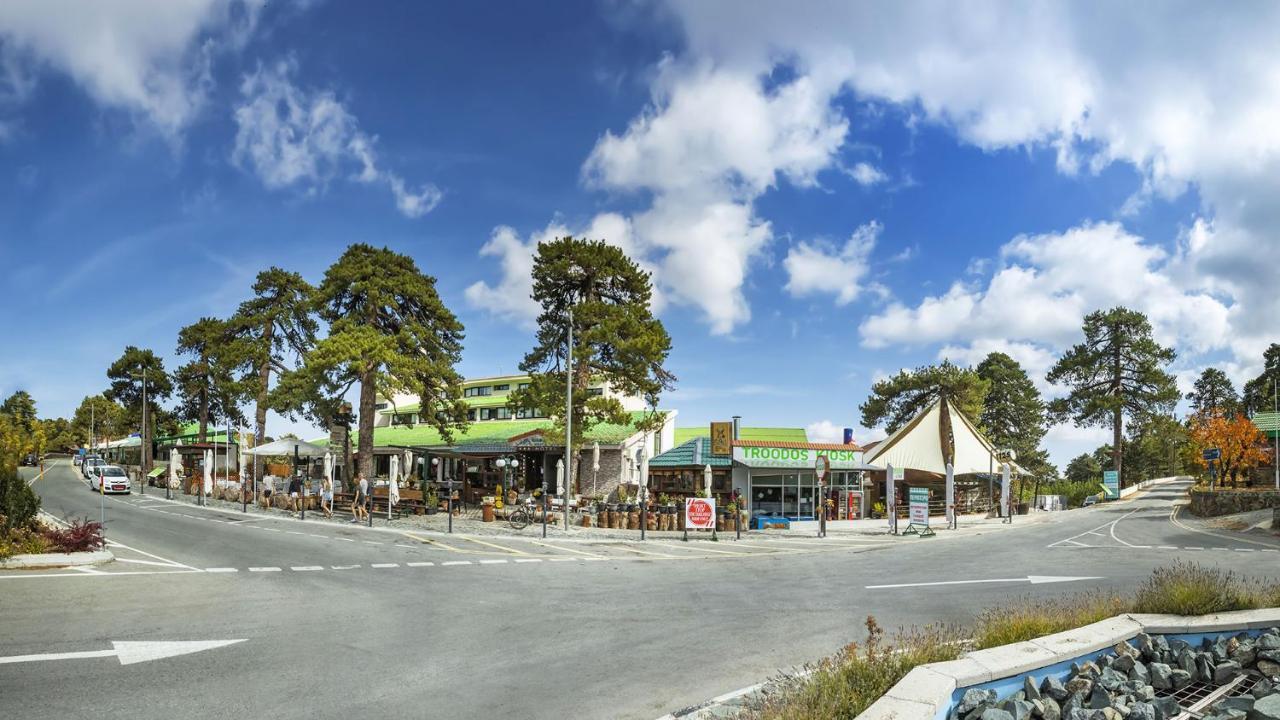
<point>486,508</point>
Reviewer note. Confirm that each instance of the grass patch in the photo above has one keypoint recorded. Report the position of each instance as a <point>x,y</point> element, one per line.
<point>1028,618</point>
<point>850,681</point>
<point>844,685</point>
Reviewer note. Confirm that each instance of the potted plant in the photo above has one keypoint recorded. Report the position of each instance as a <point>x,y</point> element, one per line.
<point>877,510</point>
<point>731,513</point>
<point>432,501</point>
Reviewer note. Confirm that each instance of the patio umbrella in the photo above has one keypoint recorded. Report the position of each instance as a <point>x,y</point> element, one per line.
<point>175,462</point>
<point>208,472</point>
<point>393,483</point>
<point>408,464</point>
<point>328,467</point>
<point>706,479</point>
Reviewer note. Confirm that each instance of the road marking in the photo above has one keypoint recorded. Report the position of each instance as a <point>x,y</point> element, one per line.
<point>1033,579</point>
<point>322,537</point>
<point>370,542</point>
<point>221,570</point>
<point>1173,518</point>
<point>638,551</point>
<point>145,562</point>
<point>493,562</point>
<point>421,564</point>
<point>566,549</point>
<point>344,567</point>
<point>503,548</point>
<point>1192,548</point>
<point>89,571</point>
<point>574,559</point>
<point>293,532</point>
<point>436,543</point>
<point>264,569</point>
<point>405,546</point>
<point>703,549</point>
<point>1168,547</point>
<point>456,562</point>
<point>306,568</point>
<point>174,563</point>
<point>127,653</point>
<point>528,560</point>
<point>381,566</point>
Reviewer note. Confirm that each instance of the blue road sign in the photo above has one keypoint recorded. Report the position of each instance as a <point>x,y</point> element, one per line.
<point>1212,454</point>
<point>1111,483</point>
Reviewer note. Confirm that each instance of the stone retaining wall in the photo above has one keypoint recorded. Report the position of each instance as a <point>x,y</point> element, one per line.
<point>1229,502</point>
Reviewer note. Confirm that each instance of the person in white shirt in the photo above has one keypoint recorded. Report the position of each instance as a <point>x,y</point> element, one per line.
<point>362,496</point>
<point>326,497</point>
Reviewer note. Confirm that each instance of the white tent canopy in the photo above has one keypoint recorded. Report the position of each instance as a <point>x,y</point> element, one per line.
<point>917,445</point>
<point>285,448</point>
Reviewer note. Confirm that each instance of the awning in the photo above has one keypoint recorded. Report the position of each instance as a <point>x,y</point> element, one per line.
<point>919,445</point>
<point>286,448</point>
<point>158,471</point>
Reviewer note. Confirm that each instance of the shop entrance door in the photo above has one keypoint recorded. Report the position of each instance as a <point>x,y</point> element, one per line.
<point>808,495</point>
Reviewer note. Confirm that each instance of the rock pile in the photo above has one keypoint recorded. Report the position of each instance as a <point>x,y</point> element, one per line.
<point>1137,681</point>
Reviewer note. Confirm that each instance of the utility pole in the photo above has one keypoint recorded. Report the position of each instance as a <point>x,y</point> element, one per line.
<point>568,423</point>
<point>1275,429</point>
<point>146,444</point>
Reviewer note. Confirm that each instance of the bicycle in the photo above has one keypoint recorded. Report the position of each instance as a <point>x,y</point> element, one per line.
<point>522,516</point>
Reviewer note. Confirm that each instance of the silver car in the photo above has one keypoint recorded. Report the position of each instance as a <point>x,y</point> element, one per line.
<point>90,462</point>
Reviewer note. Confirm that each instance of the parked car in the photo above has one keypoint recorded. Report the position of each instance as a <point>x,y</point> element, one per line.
<point>90,462</point>
<point>1091,500</point>
<point>110,479</point>
<point>30,459</point>
<point>76,460</point>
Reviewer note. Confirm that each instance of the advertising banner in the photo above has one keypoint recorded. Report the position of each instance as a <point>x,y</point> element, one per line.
<point>700,513</point>
<point>799,458</point>
<point>919,499</point>
<point>1111,483</point>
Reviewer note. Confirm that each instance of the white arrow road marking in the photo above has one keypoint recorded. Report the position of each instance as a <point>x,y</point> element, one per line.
<point>1033,579</point>
<point>129,652</point>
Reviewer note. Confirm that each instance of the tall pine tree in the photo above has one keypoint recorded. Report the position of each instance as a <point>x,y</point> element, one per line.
<point>207,384</point>
<point>1214,393</point>
<point>896,400</point>
<point>1260,392</point>
<point>1013,413</point>
<point>389,333</point>
<point>1117,370</point>
<point>127,375</point>
<point>618,344</point>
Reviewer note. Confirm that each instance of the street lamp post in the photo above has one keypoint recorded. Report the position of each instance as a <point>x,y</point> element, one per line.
<point>643,490</point>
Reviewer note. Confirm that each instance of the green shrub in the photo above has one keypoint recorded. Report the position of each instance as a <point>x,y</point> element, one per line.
<point>18,502</point>
<point>1074,492</point>
<point>1186,588</point>
<point>22,541</point>
<point>1029,618</point>
<point>846,684</point>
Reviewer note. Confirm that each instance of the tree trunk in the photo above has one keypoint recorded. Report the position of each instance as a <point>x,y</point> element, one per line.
<point>264,385</point>
<point>204,413</point>
<point>365,449</point>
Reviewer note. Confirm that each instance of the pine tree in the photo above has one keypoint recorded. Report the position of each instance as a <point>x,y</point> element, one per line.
<point>21,408</point>
<point>207,385</point>
<point>896,400</point>
<point>389,333</point>
<point>1013,413</point>
<point>1214,393</point>
<point>1259,393</point>
<point>618,344</point>
<point>126,375</point>
<point>1084,468</point>
<point>271,328</point>
<point>1118,369</point>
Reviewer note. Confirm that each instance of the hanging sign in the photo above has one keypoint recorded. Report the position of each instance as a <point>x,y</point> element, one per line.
<point>721,438</point>
<point>919,498</point>
<point>700,513</point>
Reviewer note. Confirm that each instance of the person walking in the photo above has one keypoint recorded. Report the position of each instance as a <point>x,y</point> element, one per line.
<point>326,497</point>
<point>295,492</point>
<point>362,494</point>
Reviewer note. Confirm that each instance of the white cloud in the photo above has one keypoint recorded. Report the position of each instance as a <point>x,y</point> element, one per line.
<point>1188,95</point>
<point>1047,283</point>
<point>818,267</point>
<point>707,147</point>
<point>291,137</point>
<point>512,296</point>
<point>148,58</point>
<point>866,174</point>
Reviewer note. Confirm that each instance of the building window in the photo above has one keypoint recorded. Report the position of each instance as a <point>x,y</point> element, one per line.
<point>595,391</point>
<point>471,414</point>
<point>522,386</point>
<point>404,419</point>
<point>497,388</point>
<point>523,414</point>
<point>478,391</point>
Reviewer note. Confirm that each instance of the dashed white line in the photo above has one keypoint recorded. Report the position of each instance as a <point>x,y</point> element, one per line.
<point>344,567</point>
<point>420,564</point>
<point>1244,549</point>
<point>1193,548</point>
<point>221,570</point>
<point>264,569</point>
<point>528,560</point>
<point>306,568</point>
<point>381,566</point>
<point>1168,547</point>
<point>493,562</point>
<point>370,542</point>
<point>563,559</point>
<point>456,562</point>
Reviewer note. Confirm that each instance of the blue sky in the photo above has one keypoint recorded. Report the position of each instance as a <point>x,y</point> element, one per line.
<point>820,206</point>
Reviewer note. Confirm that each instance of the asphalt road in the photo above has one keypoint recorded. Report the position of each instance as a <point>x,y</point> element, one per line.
<point>342,621</point>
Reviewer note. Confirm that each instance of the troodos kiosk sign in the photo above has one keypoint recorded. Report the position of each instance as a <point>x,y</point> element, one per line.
<point>700,513</point>
<point>785,457</point>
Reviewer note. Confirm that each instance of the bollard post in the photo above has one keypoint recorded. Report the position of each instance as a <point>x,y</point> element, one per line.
<point>544,507</point>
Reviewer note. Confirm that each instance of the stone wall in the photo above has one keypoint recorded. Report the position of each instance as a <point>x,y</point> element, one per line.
<point>1228,502</point>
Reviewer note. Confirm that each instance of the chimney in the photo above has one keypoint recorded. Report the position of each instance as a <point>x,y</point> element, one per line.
<point>737,427</point>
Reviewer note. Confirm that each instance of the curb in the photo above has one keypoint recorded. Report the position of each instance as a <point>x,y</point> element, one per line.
<point>56,560</point>
<point>927,690</point>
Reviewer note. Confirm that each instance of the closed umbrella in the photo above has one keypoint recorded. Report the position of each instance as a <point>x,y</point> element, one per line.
<point>208,472</point>
<point>393,485</point>
<point>328,467</point>
<point>175,462</point>
<point>408,465</point>
<point>706,479</point>
<point>595,465</point>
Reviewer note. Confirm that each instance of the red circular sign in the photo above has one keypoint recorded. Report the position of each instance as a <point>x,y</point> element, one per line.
<point>700,513</point>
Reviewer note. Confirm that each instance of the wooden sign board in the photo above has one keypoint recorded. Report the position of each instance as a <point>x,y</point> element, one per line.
<point>721,438</point>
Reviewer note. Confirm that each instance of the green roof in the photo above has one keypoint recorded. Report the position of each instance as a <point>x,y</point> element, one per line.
<point>191,431</point>
<point>691,453</point>
<point>1267,422</point>
<point>770,434</point>
<point>492,433</point>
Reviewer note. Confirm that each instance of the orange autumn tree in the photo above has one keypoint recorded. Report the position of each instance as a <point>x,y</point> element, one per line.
<point>1242,444</point>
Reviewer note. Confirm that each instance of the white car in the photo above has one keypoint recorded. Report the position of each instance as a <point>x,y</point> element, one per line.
<point>110,479</point>
<point>76,460</point>
<point>89,463</point>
